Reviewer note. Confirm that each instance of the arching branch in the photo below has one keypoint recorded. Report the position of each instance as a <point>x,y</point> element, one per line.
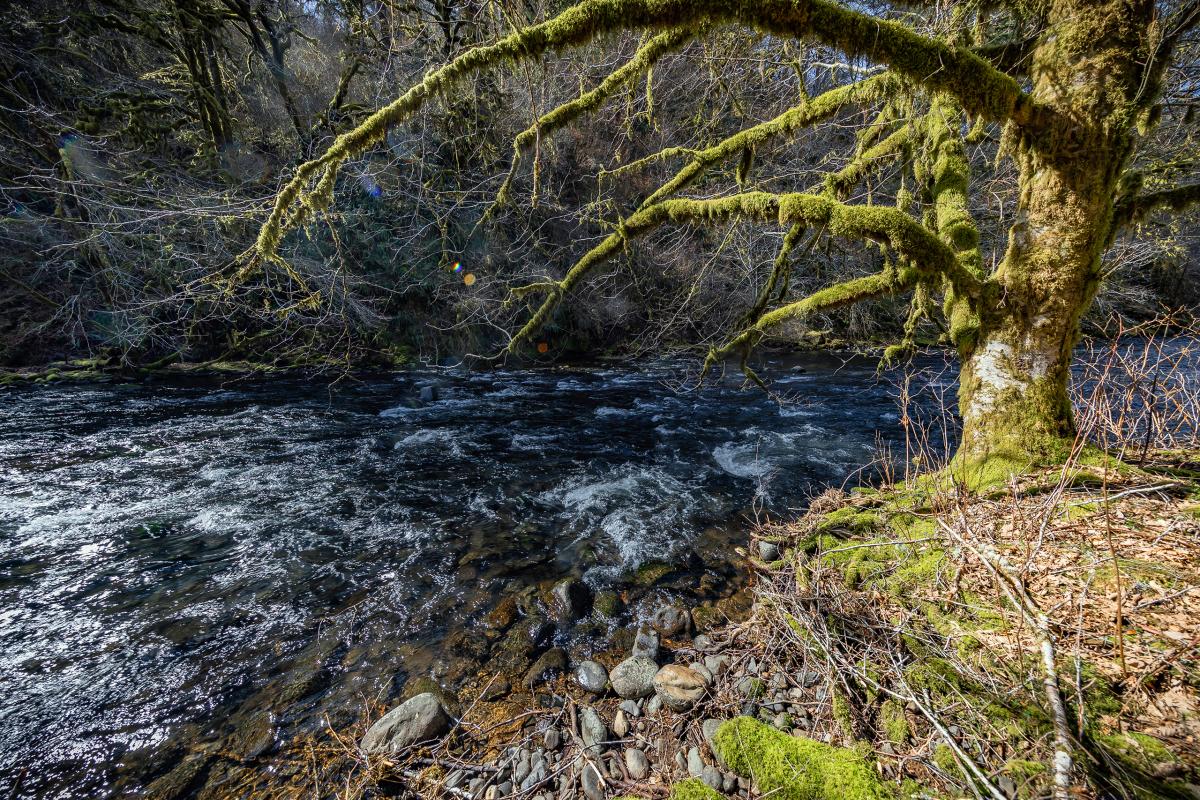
<point>564,115</point>
<point>920,249</point>
<point>806,114</point>
<point>856,290</point>
<point>981,88</point>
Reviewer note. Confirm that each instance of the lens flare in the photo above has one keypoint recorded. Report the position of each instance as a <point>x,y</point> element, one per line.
<point>457,267</point>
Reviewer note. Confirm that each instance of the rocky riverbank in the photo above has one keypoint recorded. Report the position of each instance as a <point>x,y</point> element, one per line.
<point>895,648</point>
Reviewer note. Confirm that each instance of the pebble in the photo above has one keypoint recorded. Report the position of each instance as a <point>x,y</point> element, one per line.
<point>670,621</point>
<point>728,782</point>
<point>712,776</point>
<point>716,664</point>
<point>630,707</point>
<point>709,728</point>
<point>552,739</point>
<point>681,760</point>
<point>695,764</point>
<point>768,551</point>
<point>653,705</point>
<point>634,677</point>
<point>809,679</point>
<point>592,730</point>
<point>637,763</point>
<point>417,719</point>
<point>702,643</point>
<point>592,676</point>
<point>589,779</point>
<point>620,724</point>
<point>538,772</point>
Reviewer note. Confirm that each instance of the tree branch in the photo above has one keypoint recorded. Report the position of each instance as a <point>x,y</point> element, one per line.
<point>981,88</point>
<point>1135,209</point>
<point>567,113</point>
<point>921,250</point>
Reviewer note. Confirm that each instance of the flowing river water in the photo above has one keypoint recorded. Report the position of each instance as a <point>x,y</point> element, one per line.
<point>192,566</point>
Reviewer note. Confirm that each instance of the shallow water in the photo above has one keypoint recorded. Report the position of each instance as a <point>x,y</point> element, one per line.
<point>182,563</point>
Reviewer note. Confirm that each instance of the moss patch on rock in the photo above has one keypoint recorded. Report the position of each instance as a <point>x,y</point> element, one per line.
<point>693,789</point>
<point>796,768</point>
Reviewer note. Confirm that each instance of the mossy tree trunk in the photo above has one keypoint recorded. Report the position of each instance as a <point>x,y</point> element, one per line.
<point>1070,155</point>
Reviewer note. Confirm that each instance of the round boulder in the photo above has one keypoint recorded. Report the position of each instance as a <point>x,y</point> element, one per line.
<point>592,676</point>
<point>678,687</point>
<point>634,677</point>
<point>418,719</point>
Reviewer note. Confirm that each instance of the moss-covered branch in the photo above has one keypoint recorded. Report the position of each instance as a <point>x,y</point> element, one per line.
<point>936,64</point>
<point>750,139</point>
<point>1135,209</point>
<point>590,101</point>
<point>920,249</point>
<point>948,172</point>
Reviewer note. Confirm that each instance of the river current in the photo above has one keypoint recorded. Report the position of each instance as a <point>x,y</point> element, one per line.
<point>179,560</point>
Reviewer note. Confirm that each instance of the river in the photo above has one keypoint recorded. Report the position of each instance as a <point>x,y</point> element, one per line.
<point>183,562</point>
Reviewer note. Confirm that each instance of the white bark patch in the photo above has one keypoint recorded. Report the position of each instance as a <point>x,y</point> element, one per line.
<point>1000,371</point>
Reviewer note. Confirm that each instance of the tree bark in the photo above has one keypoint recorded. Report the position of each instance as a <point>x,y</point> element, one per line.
<point>1087,88</point>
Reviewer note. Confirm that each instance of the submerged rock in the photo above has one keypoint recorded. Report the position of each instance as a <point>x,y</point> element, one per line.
<point>418,719</point>
<point>549,664</point>
<point>634,677</point>
<point>572,600</point>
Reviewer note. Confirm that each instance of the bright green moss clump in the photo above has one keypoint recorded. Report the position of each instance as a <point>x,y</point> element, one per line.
<point>795,768</point>
<point>693,789</point>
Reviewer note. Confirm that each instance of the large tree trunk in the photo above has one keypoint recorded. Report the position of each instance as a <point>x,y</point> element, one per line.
<point>1014,386</point>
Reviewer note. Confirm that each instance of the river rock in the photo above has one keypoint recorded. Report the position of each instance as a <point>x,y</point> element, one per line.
<point>418,719</point>
<point>637,764</point>
<point>634,677</point>
<point>592,676</point>
<point>592,730</point>
<point>716,664</point>
<point>703,671</point>
<point>768,551</point>
<point>645,644</point>
<point>550,663</point>
<point>589,779</point>
<point>620,724</point>
<point>678,687</point>
<point>695,764</point>
<point>572,599</point>
<point>670,621</point>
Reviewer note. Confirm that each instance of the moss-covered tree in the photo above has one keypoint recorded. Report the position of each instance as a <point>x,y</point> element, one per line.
<point>1074,86</point>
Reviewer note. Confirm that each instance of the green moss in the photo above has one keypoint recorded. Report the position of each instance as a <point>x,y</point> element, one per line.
<point>893,722</point>
<point>693,789</point>
<point>1028,776</point>
<point>842,715</point>
<point>796,768</point>
<point>943,758</point>
<point>608,604</point>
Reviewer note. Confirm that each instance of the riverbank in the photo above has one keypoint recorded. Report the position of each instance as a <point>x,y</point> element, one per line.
<point>895,647</point>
